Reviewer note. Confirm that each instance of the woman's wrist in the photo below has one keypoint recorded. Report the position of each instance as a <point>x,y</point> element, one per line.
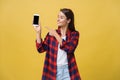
<point>38,36</point>
<point>58,38</point>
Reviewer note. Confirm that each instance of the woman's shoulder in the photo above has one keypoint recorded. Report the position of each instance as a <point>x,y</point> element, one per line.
<point>75,32</point>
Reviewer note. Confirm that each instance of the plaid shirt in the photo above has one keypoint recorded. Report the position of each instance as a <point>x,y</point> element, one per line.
<point>50,45</point>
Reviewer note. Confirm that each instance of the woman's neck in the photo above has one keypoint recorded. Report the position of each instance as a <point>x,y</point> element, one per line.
<point>63,31</point>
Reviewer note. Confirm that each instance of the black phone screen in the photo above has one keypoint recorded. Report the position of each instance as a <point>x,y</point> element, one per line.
<point>36,20</point>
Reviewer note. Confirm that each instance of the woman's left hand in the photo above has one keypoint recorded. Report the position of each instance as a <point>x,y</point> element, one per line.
<point>55,34</point>
<point>51,31</point>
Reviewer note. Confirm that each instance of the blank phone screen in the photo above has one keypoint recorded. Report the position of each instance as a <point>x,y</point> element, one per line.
<point>36,19</point>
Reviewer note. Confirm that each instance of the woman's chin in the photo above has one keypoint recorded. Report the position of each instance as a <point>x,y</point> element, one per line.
<point>59,25</point>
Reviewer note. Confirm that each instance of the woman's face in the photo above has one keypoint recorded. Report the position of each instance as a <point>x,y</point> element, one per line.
<point>62,20</point>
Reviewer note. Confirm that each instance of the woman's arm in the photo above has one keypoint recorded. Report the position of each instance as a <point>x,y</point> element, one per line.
<point>68,46</point>
<point>38,33</point>
<point>43,45</point>
<point>40,45</point>
<point>55,34</point>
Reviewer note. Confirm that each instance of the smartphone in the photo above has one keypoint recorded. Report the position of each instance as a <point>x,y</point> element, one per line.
<point>35,19</point>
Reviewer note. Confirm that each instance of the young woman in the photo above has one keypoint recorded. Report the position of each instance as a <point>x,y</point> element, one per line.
<point>60,44</point>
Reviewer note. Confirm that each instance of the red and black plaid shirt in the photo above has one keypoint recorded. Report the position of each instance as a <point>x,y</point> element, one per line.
<point>50,45</point>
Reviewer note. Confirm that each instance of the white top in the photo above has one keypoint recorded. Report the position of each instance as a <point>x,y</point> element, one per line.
<point>61,56</point>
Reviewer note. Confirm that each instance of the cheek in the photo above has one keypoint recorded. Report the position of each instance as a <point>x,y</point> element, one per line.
<point>63,21</point>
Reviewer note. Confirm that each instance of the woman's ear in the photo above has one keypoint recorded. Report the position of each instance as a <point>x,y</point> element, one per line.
<point>68,21</point>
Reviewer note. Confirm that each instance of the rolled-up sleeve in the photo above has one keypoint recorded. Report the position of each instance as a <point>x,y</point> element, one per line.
<point>43,46</point>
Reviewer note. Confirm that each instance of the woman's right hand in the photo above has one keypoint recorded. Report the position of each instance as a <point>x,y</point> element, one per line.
<point>37,29</point>
<point>38,35</point>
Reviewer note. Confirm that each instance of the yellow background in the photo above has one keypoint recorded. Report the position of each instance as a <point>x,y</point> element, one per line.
<point>98,52</point>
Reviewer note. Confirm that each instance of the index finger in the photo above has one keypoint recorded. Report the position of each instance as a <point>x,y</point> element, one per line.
<point>47,27</point>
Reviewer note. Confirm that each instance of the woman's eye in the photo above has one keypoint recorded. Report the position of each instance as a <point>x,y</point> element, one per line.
<point>62,17</point>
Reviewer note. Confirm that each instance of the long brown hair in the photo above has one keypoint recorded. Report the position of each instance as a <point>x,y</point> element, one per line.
<point>70,15</point>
